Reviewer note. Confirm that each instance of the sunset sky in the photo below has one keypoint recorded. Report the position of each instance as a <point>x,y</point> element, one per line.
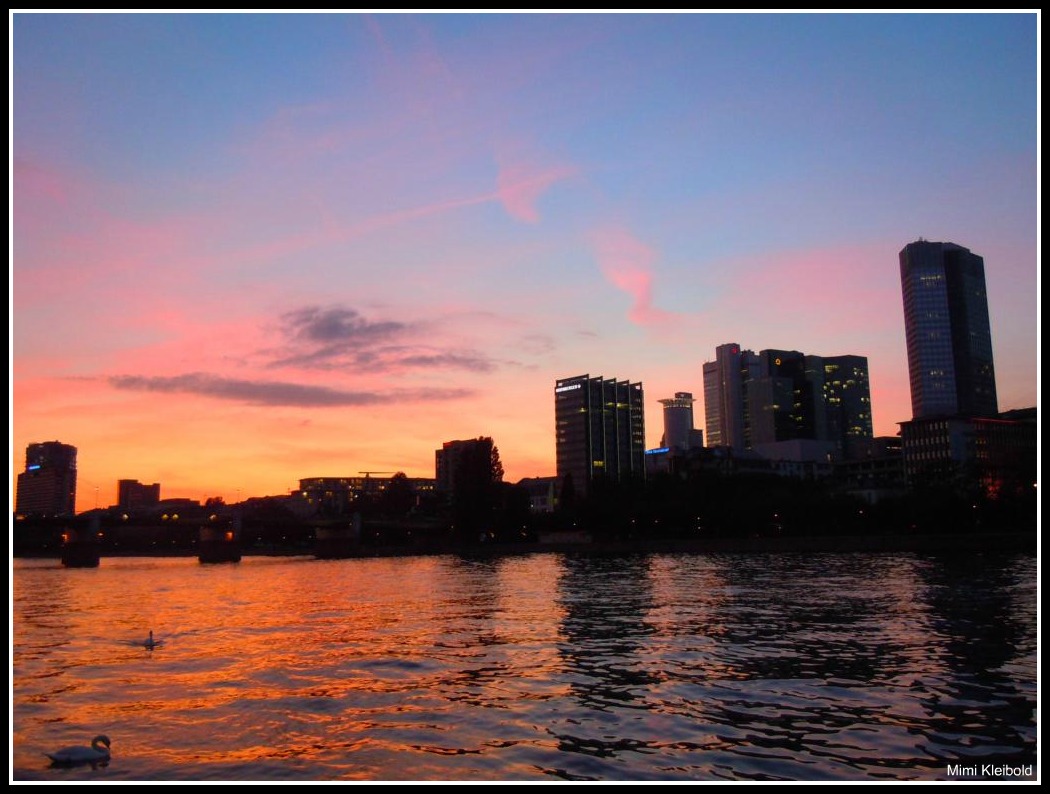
<point>249,249</point>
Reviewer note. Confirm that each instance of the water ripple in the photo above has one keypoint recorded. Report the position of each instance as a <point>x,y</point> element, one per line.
<point>659,667</point>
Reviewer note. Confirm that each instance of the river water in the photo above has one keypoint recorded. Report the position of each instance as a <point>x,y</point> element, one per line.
<point>534,667</point>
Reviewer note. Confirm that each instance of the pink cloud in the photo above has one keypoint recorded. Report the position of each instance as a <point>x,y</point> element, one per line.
<point>627,263</point>
<point>520,185</point>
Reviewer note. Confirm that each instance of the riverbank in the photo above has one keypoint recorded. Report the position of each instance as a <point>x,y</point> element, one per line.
<point>977,543</point>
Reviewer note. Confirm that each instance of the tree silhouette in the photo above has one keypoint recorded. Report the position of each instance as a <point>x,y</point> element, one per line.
<point>496,464</point>
<point>399,497</point>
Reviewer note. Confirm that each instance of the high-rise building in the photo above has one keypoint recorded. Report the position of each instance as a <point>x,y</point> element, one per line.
<point>48,486</point>
<point>679,433</point>
<point>599,430</point>
<point>847,403</point>
<point>949,337</point>
<point>724,408</point>
<point>781,402</point>
<point>755,400</point>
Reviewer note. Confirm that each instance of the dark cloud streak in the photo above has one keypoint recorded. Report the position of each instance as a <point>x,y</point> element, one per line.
<point>338,337</point>
<point>471,361</point>
<point>338,326</point>
<point>276,393</point>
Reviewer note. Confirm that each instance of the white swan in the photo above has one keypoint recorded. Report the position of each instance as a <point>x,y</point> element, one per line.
<point>150,644</point>
<point>83,755</point>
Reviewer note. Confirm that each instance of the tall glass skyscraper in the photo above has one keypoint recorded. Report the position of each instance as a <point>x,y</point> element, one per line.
<point>600,430</point>
<point>949,337</point>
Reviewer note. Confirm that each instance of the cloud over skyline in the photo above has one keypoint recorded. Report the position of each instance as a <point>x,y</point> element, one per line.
<point>341,337</point>
<point>627,263</point>
<point>276,393</point>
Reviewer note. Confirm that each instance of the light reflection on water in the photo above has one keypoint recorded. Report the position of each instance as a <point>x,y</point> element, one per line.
<point>661,667</point>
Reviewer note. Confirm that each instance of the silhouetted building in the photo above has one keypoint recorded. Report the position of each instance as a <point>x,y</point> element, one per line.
<point>660,461</point>
<point>761,401</point>
<point>876,470</point>
<point>782,401</point>
<point>948,334</point>
<point>847,403</point>
<point>543,493</point>
<point>679,433</point>
<point>470,480</point>
<point>133,495</point>
<point>179,508</point>
<point>456,459</point>
<point>335,496</point>
<point>48,486</point>
<point>599,430</point>
<point>998,455</point>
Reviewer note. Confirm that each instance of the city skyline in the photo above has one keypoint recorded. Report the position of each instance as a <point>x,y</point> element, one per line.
<point>249,249</point>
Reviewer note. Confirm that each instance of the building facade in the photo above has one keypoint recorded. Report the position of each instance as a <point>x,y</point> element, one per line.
<point>756,401</point>
<point>950,368</point>
<point>996,455</point>
<point>679,433</point>
<point>599,430</point>
<point>335,496</point>
<point>846,396</point>
<point>48,486</point>
<point>725,411</point>
<point>781,400</point>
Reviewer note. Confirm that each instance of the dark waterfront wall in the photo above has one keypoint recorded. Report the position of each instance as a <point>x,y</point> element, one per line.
<point>693,510</point>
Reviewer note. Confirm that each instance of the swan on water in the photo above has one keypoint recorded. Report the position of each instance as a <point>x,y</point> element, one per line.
<point>83,755</point>
<point>151,643</point>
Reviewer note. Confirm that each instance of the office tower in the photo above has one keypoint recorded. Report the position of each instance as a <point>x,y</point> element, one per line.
<point>679,433</point>
<point>780,400</point>
<point>725,413</point>
<point>133,495</point>
<point>949,338</point>
<point>48,486</point>
<point>599,430</point>
<point>847,403</point>
<point>754,400</point>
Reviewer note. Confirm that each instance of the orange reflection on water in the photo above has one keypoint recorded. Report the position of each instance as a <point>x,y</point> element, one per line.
<point>275,659</point>
<point>518,667</point>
